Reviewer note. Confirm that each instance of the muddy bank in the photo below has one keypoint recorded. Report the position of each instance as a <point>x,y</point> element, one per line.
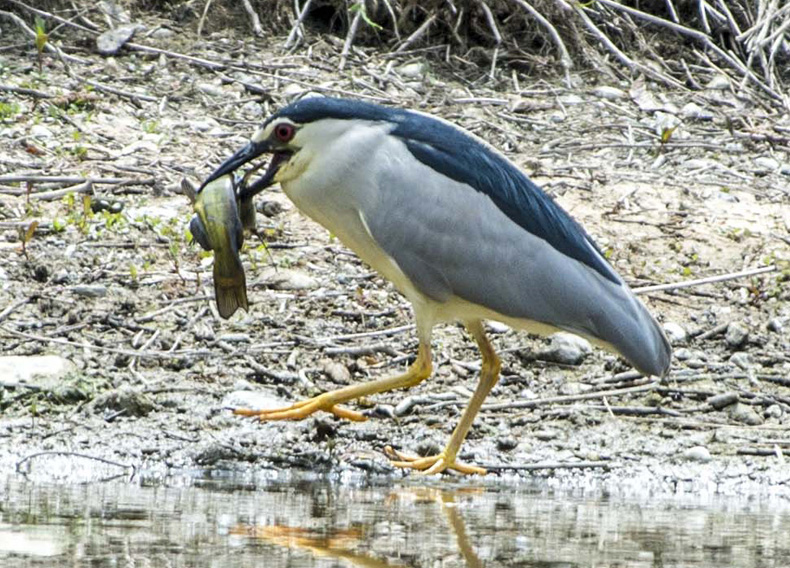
<point>673,185</point>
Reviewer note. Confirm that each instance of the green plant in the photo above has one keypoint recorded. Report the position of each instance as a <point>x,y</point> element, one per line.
<point>41,40</point>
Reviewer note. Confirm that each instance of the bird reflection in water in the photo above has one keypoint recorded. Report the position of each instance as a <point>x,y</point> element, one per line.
<point>350,544</point>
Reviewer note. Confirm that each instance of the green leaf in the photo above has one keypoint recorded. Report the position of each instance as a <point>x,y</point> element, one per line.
<point>360,7</point>
<point>41,35</point>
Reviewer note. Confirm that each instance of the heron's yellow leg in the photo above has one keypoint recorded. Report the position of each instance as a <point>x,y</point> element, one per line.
<point>329,401</point>
<point>489,374</point>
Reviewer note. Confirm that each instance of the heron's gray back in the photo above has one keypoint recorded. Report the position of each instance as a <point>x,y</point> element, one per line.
<point>451,240</point>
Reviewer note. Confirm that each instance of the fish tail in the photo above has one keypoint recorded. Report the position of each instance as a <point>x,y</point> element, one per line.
<point>230,285</point>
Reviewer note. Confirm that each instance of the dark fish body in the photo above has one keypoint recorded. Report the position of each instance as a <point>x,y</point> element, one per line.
<point>217,227</point>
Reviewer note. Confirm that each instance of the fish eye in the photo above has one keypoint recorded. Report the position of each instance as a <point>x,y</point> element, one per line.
<point>284,132</point>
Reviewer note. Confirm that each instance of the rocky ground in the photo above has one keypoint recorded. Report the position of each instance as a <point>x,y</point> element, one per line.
<point>101,278</point>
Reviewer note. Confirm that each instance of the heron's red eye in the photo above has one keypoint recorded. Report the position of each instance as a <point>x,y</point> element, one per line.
<point>284,132</point>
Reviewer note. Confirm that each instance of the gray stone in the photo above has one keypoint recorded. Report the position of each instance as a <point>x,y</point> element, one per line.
<point>675,333</point>
<point>44,371</point>
<point>62,276</point>
<point>723,400</point>
<point>128,401</point>
<point>90,290</point>
<point>698,454</point>
<point>741,360</point>
<point>254,400</point>
<point>719,83</point>
<point>413,70</point>
<point>506,443</point>
<point>285,279</point>
<point>545,435</point>
<point>566,349</point>
<point>40,131</point>
<point>745,414</point>
<point>773,411</point>
<point>162,33</point>
<point>736,335</point>
<point>696,112</point>
<point>776,325</point>
<point>111,41</point>
<point>766,163</point>
<point>211,89</point>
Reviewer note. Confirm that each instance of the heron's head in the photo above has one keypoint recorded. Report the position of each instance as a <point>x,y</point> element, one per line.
<point>299,131</point>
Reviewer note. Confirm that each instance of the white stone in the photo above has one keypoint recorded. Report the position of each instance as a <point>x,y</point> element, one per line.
<point>675,333</point>
<point>35,369</point>
<point>698,454</point>
<point>609,93</point>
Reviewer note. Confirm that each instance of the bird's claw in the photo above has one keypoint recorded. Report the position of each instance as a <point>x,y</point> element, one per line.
<point>431,465</point>
<point>303,409</point>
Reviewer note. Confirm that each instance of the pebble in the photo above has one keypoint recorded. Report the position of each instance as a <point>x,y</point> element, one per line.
<point>696,112</point>
<point>719,83</point>
<point>545,435</point>
<point>506,443</point>
<point>90,290</point>
<point>40,370</point>
<point>290,280</point>
<point>127,400</point>
<point>698,454</point>
<point>776,325</point>
<point>413,70</point>
<point>162,33</point>
<point>675,333</point>
<point>566,349</point>
<point>203,125</point>
<point>571,100</point>
<point>741,360</point>
<point>609,93</point>
<point>736,335</point>
<point>40,131</point>
<point>210,89</point>
<point>745,414</point>
<point>723,400</point>
<point>255,400</point>
<point>111,41</point>
<point>766,163</point>
<point>773,411</point>
<point>337,372</point>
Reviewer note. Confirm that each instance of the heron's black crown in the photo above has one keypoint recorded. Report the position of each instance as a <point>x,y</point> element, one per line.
<point>454,153</point>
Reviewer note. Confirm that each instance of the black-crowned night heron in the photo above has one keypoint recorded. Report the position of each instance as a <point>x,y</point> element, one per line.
<point>459,230</point>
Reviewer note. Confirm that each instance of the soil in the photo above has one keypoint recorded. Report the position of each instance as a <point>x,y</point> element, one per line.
<point>673,185</point>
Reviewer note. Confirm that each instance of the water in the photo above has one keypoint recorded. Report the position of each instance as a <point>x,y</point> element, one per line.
<point>226,522</point>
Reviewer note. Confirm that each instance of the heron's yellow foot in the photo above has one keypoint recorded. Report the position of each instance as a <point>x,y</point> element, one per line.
<point>431,464</point>
<point>303,409</point>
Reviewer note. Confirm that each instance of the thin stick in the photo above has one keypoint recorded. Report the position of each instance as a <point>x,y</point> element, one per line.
<point>352,31</point>
<point>203,17</point>
<point>86,188</point>
<point>701,281</point>
<point>290,42</point>
<point>418,33</point>
<point>71,454</point>
<point>568,398</point>
<point>254,19</point>
<point>23,91</point>
<point>565,58</point>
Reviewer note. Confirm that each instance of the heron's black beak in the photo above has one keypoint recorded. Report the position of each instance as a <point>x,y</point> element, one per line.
<point>248,153</point>
<point>251,151</point>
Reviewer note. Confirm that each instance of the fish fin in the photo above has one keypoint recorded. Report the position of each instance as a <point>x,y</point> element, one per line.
<point>230,286</point>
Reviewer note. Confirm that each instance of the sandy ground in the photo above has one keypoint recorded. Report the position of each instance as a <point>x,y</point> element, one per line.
<point>125,299</point>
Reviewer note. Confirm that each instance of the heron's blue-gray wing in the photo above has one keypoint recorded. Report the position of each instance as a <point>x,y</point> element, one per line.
<point>451,239</point>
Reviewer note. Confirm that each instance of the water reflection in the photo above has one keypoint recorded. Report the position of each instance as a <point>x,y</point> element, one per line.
<point>308,523</point>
